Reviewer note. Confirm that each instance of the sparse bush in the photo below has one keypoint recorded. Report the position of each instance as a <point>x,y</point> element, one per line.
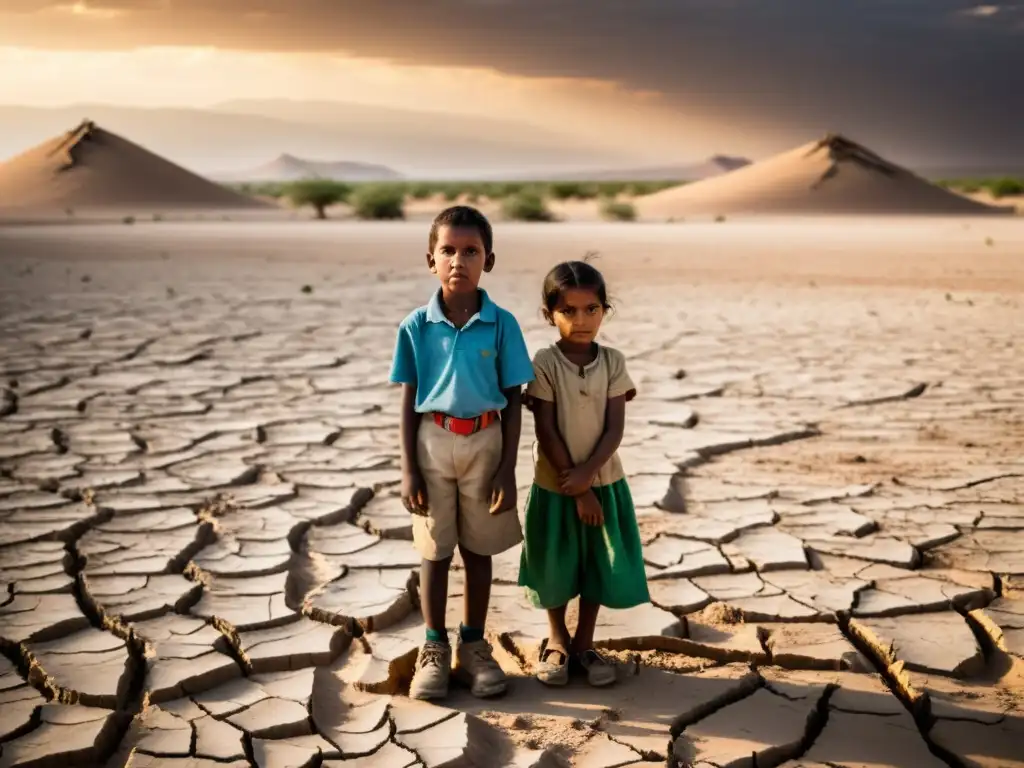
<point>420,191</point>
<point>611,188</point>
<point>451,192</point>
<point>307,289</point>
<point>719,219</point>
<point>319,193</point>
<point>379,201</point>
<point>613,211</point>
<point>640,188</point>
<point>563,190</point>
<point>1005,187</point>
<point>128,220</point>
<point>526,206</point>
<point>502,190</point>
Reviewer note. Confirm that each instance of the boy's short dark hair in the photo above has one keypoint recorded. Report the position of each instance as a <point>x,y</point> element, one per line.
<point>462,216</point>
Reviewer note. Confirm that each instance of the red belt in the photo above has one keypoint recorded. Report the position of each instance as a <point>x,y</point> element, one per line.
<point>465,427</point>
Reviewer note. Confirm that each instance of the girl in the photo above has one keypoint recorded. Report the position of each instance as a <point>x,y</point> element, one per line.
<point>581,533</point>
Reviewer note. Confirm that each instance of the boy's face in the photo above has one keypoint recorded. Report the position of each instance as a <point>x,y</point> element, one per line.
<point>459,259</point>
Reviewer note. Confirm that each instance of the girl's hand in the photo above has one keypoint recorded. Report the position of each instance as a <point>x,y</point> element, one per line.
<point>503,492</point>
<point>414,492</point>
<point>575,481</point>
<point>589,509</point>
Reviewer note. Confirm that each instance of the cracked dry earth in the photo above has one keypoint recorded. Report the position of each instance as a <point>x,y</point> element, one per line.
<point>204,563</point>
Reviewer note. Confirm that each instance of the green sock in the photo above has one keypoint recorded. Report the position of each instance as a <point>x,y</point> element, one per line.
<point>470,635</point>
<point>437,636</point>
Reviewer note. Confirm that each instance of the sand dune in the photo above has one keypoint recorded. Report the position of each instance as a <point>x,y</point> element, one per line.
<point>830,176</point>
<point>90,168</point>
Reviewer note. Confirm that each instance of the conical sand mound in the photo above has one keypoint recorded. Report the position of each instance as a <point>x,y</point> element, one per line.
<point>831,176</point>
<point>89,168</point>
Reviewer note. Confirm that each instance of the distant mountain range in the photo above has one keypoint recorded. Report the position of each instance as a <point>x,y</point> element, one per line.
<point>713,166</point>
<point>290,168</point>
<point>229,138</point>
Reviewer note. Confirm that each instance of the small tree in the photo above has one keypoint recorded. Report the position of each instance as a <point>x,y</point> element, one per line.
<point>613,211</point>
<point>318,193</point>
<point>526,206</point>
<point>1005,187</point>
<point>379,201</point>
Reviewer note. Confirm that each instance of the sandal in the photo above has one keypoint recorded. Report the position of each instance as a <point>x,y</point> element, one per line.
<point>553,666</point>
<point>600,671</point>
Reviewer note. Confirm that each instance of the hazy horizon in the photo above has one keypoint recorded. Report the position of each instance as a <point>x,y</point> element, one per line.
<point>601,84</point>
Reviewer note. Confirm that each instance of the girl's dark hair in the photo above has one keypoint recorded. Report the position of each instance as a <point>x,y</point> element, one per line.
<point>572,274</point>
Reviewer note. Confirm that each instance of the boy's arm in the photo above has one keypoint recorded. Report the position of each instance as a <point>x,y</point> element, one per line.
<point>403,371</point>
<point>503,490</point>
<point>514,370</point>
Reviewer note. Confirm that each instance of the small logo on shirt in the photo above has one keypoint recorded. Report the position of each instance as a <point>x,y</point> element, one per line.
<point>485,352</point>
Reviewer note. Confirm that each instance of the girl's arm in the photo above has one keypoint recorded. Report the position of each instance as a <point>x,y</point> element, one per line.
<point>582,476</point>
<point>545,421</point>
<point>553,446</point>
<point>614,426</point>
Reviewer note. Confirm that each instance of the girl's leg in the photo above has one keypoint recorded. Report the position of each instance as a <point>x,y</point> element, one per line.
<point>553,665</point>
<point>600,672</point>
<point>584,638</point>
<point>559,638</point>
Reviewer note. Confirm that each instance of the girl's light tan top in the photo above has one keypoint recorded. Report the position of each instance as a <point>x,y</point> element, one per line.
<point>581,395</point>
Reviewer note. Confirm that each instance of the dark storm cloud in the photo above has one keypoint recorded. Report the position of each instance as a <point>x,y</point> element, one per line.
<point>920,76</point>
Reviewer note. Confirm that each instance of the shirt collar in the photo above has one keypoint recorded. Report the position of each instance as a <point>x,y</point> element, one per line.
<point>488,311</point>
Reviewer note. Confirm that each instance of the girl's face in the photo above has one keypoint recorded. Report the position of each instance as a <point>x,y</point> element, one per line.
<point>578,315</point>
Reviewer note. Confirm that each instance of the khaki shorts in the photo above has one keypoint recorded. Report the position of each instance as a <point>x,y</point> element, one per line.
<point>458,471</point>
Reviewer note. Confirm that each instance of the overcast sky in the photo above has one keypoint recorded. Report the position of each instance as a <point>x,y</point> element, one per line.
<point>931,80</point>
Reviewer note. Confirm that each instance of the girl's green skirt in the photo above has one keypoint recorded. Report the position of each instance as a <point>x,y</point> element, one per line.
<point>562,557</point>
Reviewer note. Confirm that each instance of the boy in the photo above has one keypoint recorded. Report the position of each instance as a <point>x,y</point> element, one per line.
<point>461,360</point>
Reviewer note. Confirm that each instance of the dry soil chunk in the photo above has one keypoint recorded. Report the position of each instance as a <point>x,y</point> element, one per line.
<point>770,549</point>
<point>979,745</point>
<point>184,657</point>
<point>933,642</point>
<point>40,618</point>
<point>92,667</point>
<point>460,740</point>
<point>812,646</point>
<point>864,741</point>
<point>374,598</point>
<point>139,760</point>
<point>764,724</point>
<point>303,643</point>
<point>391,755</point>
<point>69,735</point>
<point>16,708</point>
<point>1003,619</point>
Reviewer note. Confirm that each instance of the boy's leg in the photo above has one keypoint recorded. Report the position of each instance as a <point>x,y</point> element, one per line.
<point>435,536</point>
<point>481,535</point>
<point>478,589</point>
<point>434,597</point>
<point>600,671</point>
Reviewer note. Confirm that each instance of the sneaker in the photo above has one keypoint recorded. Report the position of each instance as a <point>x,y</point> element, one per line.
<point>475,664</point>
<point>553,667</point>
<point>433,668</point>
<point>600,671</point>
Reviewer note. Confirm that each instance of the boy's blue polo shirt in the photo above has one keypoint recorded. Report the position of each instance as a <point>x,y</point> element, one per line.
<point>461,371</point>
